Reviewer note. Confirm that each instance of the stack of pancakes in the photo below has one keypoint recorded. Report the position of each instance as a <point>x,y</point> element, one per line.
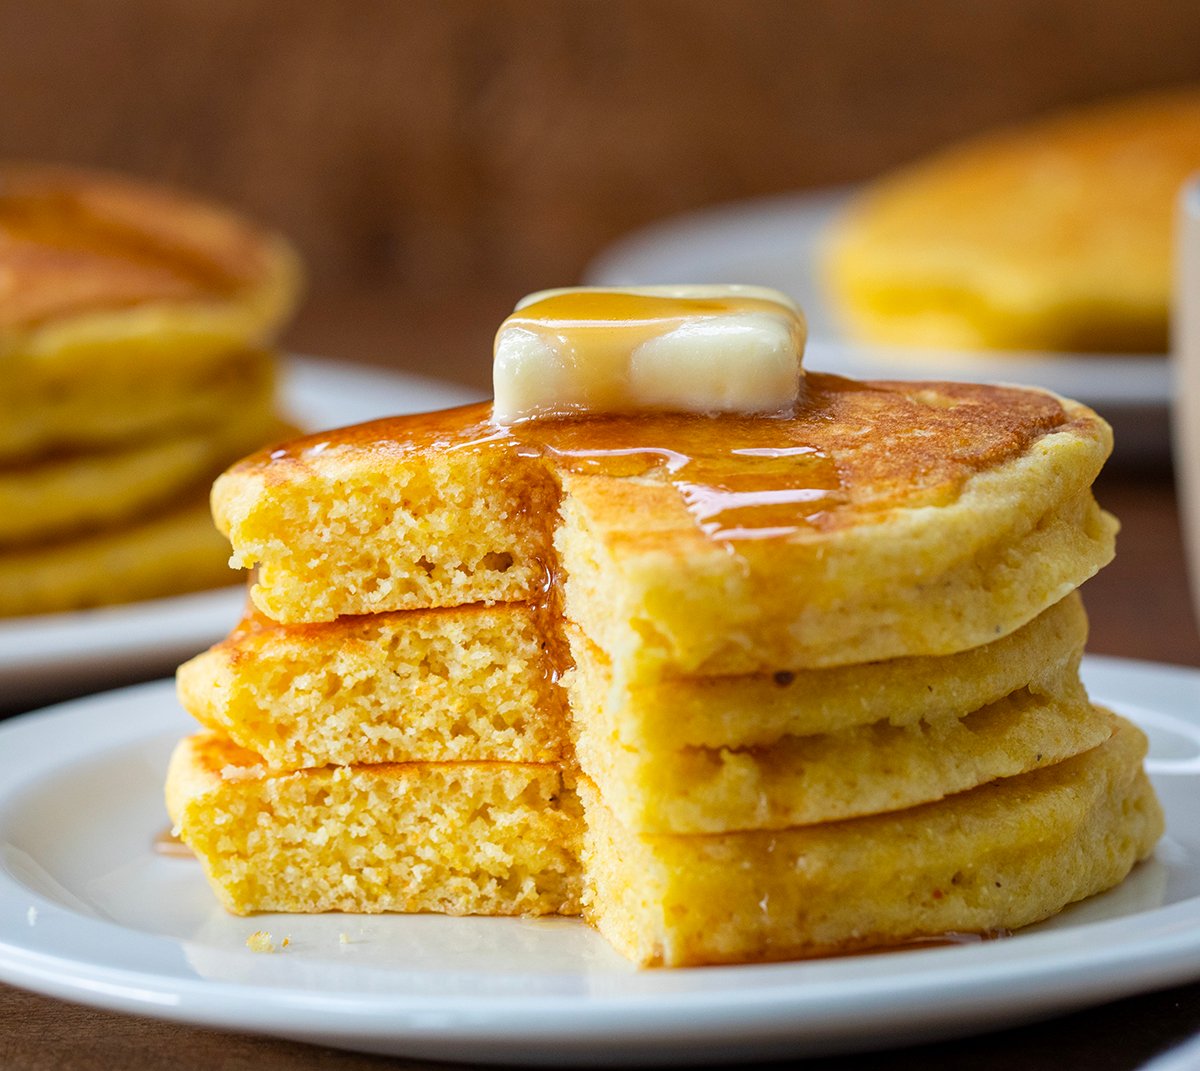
<point>1053,235</point>
<point>732,688</point>
<point>133,331</point>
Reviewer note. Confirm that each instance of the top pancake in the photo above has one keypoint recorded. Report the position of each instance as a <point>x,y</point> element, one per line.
<point>126,294</point>
<point>876,521</point>
<point>1052,235</point>
<point>78,243</point>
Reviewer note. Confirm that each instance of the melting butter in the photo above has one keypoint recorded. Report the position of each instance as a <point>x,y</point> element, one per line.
<point>699,349</point>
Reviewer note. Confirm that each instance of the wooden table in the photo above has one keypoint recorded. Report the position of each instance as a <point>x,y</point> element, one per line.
<point>1139,608</point>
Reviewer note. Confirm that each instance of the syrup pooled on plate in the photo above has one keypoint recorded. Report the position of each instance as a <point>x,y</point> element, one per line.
<point>949,939</point>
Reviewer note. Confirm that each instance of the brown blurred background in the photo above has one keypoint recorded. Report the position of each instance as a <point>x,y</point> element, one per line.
<point>436,160</point>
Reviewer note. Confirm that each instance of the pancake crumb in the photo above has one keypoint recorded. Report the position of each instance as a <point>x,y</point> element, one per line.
<point>260,941</point>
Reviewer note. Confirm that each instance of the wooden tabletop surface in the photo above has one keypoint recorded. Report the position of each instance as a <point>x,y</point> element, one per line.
<point>1139,608</point>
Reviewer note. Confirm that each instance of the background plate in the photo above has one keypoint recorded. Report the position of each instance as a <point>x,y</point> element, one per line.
<point>91,913</point>
<point>53,655</point>
<point>775,242</point>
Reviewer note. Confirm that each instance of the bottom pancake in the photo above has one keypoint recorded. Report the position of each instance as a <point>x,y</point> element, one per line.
<point>455,838</point>
<point>1002,856</point>
<point>173,552</point>
<point>510,839</point>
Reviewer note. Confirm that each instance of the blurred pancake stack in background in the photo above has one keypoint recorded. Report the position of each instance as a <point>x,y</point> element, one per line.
<point>1054,235</point>
<point>135,364</point>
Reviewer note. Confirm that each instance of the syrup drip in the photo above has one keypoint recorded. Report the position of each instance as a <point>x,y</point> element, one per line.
<point>739,477</point>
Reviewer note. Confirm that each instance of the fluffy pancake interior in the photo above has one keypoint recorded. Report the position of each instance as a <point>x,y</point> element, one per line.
<point>341,530</point>
<point>470,683</point>
<point>455,838</point>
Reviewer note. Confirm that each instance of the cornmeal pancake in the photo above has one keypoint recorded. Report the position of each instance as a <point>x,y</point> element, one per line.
<point>170,552</point>
<point>470,683</point>
<point>658,717</point>
<point>870,769</point>
<point>958,514</point>
<point>123,399</point>
<point>1001,856</point>
<point>66,494</point>
<point>381,517</point>
<point>124,298</point>
<point>499,838</point>
<point>877,521</point>
<point>1054,235</point>
<point>457,838</point>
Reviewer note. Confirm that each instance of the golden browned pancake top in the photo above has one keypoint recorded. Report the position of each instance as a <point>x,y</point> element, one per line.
<point>847,448</point>
<point>74,242</point>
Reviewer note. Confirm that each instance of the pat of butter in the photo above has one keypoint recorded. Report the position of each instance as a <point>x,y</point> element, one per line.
<point>703,349</point>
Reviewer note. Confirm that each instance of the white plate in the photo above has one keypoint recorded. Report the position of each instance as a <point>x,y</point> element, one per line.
<point>774,241</point>
<point>89,912</point>
<point>52,655</point>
